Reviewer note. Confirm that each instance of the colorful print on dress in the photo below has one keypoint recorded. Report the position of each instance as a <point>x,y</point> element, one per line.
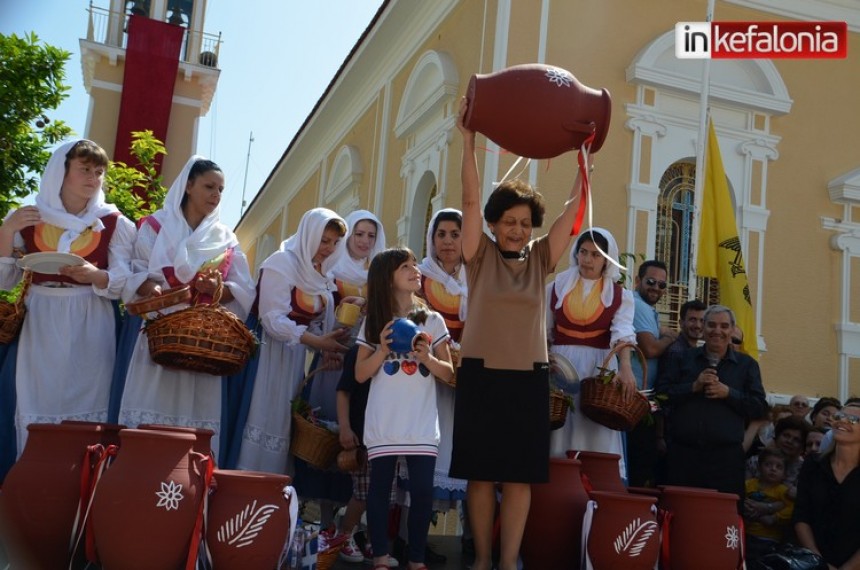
<point>399,362</point>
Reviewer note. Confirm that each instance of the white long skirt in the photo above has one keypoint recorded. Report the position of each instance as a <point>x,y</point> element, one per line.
<point>579,432</point>
<point>65,359</point>
<point>266,437</point>
<point>159,395</point>
<point>445,486</point>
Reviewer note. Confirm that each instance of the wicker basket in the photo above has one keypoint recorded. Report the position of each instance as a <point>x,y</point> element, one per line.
<point>327,558</point>
<point>312,443</point>
<point>604,403</point>
<point>12,314</point>
<point>558,408</point>
<point>203,338</point>
<point>168,298</point>
<point>455,361</point>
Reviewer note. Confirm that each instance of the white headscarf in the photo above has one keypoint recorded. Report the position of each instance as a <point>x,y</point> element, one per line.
<point>567,279</point>
<point>354,271</point>
<point>177,245</point>
<point>294,259</point>
<point>51,207</point>
<point>430,267</point>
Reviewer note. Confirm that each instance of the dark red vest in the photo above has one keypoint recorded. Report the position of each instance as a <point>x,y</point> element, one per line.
<point>97,256</point>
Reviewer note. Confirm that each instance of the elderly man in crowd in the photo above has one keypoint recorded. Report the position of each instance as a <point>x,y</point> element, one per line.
<point>713,391</point>
<point>799,405</point>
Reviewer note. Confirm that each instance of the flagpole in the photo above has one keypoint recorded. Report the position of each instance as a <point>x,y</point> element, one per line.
<point>700,168</point>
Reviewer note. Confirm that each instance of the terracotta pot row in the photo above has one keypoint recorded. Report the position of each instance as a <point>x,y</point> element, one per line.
<point>147,508</point>
<point>585,505</point>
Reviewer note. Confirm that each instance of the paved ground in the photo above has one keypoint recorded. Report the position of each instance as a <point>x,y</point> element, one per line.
<point>447,545</point>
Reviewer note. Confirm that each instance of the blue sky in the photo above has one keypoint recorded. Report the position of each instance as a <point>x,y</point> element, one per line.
<point>276,60</point>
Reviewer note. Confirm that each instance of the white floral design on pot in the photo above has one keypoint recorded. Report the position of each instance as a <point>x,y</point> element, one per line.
<point>170,495</point>
<point>635,537</point>
<point>559,76</point>
<point>243,528</point>
<point>732,537</point>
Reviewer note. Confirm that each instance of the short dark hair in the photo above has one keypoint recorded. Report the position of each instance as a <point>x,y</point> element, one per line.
<point>651,263</point>
<point>594,237</point>
<point>513,193</point>
<point>792,422</point>
<point>693,305</point>
<point>823,403</point>
<point>88,151</point>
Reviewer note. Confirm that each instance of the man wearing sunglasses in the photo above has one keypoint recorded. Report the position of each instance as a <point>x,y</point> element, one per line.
<point>653,340</point>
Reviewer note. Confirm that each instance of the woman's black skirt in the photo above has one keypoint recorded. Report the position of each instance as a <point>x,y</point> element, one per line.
<point>501,424</point>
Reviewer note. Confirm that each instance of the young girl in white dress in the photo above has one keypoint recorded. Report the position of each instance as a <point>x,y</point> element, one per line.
<point>401,416</point>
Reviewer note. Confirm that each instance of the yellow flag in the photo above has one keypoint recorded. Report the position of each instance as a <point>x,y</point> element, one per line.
<point>719,252</point>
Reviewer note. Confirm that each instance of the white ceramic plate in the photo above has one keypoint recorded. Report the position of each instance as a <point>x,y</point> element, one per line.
<point>563,373</point>
<point>49,262</point>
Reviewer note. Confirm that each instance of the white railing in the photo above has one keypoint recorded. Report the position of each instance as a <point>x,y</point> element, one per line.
<point>108,27</point>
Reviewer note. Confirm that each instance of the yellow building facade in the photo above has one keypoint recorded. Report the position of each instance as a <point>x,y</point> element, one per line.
<point>383,137</point>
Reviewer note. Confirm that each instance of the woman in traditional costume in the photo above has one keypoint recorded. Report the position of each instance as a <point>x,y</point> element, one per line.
<point>67,345</point>
<point>184,243</point>
<point>588,314</point>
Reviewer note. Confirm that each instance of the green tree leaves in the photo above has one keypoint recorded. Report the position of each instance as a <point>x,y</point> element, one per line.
<point>31,84</point>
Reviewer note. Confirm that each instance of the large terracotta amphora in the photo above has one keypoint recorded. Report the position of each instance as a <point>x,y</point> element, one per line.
<point>42,493</point>
<point>536,110</point>
<point>553,532</point>
<point>148,505</point>
<point>622,531</point>
<point>251,516</point>
<point>701,525</point>
<point>203,442</point>
<point>600,471</point>
<point>110,432</point>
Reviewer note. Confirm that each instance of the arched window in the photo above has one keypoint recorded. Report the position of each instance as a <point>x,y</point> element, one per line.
<point>427,219</point>
<point>674,239</point>
<point>137,7</point>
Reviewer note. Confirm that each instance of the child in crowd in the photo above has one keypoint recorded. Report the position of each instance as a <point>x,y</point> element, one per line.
<point>401,416</point>
<point>351,404</point>
<point>813,442</point>
<point>768,505</point>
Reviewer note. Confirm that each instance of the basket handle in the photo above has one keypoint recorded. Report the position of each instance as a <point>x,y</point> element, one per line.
<point>19,302</point>
<point>219,289</point>
<point>638,351</point>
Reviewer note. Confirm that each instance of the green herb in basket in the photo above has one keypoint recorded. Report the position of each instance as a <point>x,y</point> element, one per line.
<point>12,295</point>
